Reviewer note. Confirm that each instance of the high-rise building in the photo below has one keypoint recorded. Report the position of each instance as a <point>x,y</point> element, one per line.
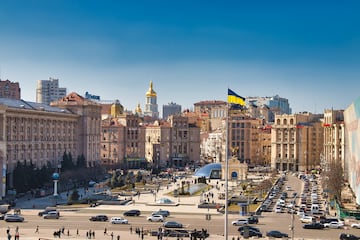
<point>151,107</point>
<point>9,89</point>
<point>171,109</point>
<point>276,104</point>
<point>48,91</point>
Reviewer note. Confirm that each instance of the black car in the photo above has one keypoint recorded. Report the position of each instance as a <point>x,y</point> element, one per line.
<point>346,236</point>
<point>132,213</point>
<point>242,228</point>
<point>253,220</point>
<point>99,218</point>
<point>172,224</point>
<point>313,226</point>
<point>276,234</point>
<point>251,233</point>
<point>164,213</point>
<point>176,233</point>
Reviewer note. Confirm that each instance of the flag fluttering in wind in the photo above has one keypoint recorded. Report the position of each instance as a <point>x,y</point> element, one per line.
<point>236,99</point>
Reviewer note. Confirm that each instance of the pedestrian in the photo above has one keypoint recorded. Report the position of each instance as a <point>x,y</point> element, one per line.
<point>68,232</point>
<point>17,229</point>
<point>9,236</point>
<point>112,235</point>
<point>77,232</point>
<point>105,231</point>
<point>17,236</point>
<point>118,237</point>
<point>131,229</point>
<point>93,234</point>
<point>37,229</point>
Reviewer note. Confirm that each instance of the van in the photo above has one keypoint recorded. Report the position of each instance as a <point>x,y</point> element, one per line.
<point>315,208</point>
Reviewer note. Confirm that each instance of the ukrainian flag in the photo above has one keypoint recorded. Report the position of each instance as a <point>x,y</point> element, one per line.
<point>233,98</point>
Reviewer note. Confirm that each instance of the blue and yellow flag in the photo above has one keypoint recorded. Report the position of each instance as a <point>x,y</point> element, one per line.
<point>233,98</point>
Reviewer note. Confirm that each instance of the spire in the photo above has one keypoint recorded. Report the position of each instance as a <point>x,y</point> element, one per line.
<point>151,92</point>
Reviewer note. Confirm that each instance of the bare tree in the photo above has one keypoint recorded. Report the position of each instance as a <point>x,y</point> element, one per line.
<point>334,179</point>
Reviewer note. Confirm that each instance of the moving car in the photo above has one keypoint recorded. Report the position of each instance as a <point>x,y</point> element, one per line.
<point>46,211</point>
<point>99,218</point>
<point>164,213</point>
<point>347,236</point>
<point>314,225</point>
<point>242,228</point>
<point>119,220</point>
<point>253,220</point>
<point>306,219</point>
<point>276,234</point>
<point>239,222</point>
<point>51,215</point>
<point>172,224</point>
<point>156,218</point>
<point>132,213</point>
<point>251,233</point>
<point>13,218</point>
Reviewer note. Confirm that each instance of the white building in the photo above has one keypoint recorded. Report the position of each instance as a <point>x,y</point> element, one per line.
<point>48,91</point>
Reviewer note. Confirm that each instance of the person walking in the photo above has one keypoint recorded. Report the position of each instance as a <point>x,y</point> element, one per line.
<point>105,231</point>
<point>37,229</point>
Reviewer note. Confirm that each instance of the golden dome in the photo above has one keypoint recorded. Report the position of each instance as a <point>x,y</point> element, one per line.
<point>151,92</point>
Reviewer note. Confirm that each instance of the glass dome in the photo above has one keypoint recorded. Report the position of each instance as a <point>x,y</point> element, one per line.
<point>212,171</point>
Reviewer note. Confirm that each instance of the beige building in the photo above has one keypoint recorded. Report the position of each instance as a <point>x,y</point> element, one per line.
<point>334,137</point>
<point>10,89</point>
<point>243,137</point>
<point>122,139</point>
<point>41,133</point>
<point>89,125</point>
<point>211,114</point>
<point>296,142</point>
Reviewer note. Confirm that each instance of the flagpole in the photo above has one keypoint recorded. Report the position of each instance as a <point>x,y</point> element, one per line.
<point>226,173</point>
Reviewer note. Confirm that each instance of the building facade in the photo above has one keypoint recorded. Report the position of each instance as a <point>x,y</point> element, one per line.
<point>48,91</point>
<point>334,137</point>
<point>89,125</point>
<point>34,132</point>
<point>297,142</point>
<point>171,109</point>
<point>151,106</point>
<point>212,114</point>
<point>10,90</point>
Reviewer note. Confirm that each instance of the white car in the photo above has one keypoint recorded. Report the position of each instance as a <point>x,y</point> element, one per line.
<point>240,222</point>
<point>334,225</point>
<point>306,219</point>
<point>278,209</point>
<point>355,225</point>
<point>156,218</point>
<point>119,220</point>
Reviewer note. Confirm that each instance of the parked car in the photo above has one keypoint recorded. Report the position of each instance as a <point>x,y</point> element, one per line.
<point>99,218</point>
<point>156,218</point>
<point>276,234</point>
<point>132,213</point>
<point>306,219</point>
<point>355,225</point>
<point>13,218</point>
<point>119,220</point>
<point>52,215</point>
<point>347,236</point>
<point>172,224</point>
<point>164,213</point>
<point>314,225</point>
<point>239,222</point>
<point>334,225</point>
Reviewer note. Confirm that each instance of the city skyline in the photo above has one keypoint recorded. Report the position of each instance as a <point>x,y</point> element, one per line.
<point>307,53</point>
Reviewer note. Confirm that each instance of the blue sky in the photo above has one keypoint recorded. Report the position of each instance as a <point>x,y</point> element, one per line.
<point>306,51</point>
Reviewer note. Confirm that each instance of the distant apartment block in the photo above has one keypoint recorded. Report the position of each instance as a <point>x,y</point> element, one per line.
<point>276,104</point>
<point>171,109</point>
<point>48,91</point>
<point>10,89</point>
